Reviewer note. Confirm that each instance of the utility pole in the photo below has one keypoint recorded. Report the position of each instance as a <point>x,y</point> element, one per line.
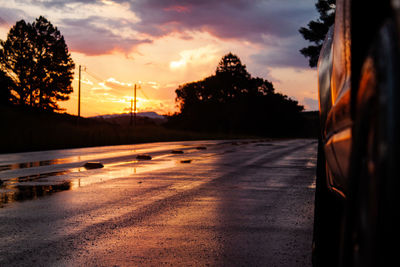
<point>79,93</point>
<point>131,121</point>
<point>133,103</point>
<point>134,114</point>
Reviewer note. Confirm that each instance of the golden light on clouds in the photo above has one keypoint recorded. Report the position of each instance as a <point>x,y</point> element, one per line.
<point>199,56</point>
<point>161,45</point>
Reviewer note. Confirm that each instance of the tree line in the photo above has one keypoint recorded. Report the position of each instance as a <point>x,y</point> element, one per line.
<point>36,68</point>
<point>233,101</point>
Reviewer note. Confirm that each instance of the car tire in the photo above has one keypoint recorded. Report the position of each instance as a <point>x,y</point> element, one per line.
<point>372,204</point>
<point>328,215</point>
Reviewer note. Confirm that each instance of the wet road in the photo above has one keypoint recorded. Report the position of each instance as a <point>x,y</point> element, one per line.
<point>240,203</point>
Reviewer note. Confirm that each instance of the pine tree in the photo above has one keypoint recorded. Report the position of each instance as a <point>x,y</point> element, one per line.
<point>6,85</point>
<point>316,30</point>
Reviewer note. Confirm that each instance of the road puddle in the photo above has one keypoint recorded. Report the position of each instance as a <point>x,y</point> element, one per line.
<point>24,165</point>
<point>30,178</point>
<point>120,152</point>
<point>38,182</point>
<point>34,186</point>
<point>12,193</point>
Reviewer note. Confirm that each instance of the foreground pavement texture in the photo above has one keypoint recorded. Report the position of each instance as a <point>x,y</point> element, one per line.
<point>234,203</point>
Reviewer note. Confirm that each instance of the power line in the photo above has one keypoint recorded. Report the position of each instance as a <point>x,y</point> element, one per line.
<point>140,88</point>
<point>94,76</point>
<point>102,80</point>
<point>133,101</point>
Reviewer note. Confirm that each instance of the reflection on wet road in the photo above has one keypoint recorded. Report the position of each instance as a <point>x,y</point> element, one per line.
<point>213,203</point>
<point>22,179</point>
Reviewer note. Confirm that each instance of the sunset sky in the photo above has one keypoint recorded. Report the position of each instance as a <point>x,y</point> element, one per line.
<point>161,44</point>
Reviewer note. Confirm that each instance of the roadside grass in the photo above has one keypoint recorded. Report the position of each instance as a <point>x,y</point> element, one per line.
<point>33,130</point>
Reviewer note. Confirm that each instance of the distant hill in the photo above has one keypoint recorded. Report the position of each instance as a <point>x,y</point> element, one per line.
<point>151,115</point>
<point>142,118</point>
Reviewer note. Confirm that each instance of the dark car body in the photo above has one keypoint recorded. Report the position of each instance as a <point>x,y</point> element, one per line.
<point>357,204</point>
<point>334,80</point>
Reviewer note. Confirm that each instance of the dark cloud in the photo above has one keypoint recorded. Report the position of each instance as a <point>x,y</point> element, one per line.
<point>8,16</point>
<point>243,19</point>
<point>273,24</point>
<point>284,53</point>
<point>58,3</point>
<point>89,37</point>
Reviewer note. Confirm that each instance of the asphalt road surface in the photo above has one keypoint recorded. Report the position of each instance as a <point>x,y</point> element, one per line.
<point>219,203</point>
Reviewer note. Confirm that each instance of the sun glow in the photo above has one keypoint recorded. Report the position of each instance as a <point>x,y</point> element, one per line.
<point>163,45</point>
<point>177,64</point>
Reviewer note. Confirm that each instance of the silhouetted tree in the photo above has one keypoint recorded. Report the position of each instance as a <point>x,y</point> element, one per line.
<point>233,101</point>
<point>35,56</point>
<point>316,30</point>
<point>230,64</point>
<point>6,85</point>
